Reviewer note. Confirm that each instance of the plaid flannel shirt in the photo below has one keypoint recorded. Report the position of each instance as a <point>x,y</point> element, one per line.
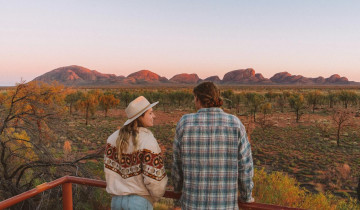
<point>212,160</point>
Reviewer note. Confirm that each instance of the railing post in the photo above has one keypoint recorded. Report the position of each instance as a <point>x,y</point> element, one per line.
<point>67,196</point>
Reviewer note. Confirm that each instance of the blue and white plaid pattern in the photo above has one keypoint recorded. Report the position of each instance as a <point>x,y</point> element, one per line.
<point>212,160</point>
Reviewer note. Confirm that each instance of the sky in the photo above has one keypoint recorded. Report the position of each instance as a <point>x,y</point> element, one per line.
<point>168,37</point>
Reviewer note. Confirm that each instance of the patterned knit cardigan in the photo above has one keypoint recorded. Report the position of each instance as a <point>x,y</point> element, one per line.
<point>139,171</point>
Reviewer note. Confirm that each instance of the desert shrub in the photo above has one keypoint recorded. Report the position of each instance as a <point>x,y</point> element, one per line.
<point>164,204</point>
<point>276,188</point>
<point>323,127</point>
<point>279,189</point>
<point>350,203</point>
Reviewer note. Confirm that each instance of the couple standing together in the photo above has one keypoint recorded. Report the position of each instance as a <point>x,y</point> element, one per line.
<point>212,161</point>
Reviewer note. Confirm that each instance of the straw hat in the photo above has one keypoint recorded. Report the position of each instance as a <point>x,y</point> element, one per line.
<point>136,108</point>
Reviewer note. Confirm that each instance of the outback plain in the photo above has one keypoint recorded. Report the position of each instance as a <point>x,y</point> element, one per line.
<point>305,141</point>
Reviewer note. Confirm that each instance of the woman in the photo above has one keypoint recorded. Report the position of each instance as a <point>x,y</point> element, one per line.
<point>134,168</point>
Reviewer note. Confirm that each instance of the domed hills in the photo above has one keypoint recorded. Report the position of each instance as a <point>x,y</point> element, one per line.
<point>76,75</point>
<point>80,76</point>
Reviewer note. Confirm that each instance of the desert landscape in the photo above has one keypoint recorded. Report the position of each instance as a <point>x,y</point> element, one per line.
<point>306,135</point>
<point>289,70</point>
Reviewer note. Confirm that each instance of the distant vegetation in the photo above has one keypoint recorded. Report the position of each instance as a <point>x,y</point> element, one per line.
<point>300,137</point>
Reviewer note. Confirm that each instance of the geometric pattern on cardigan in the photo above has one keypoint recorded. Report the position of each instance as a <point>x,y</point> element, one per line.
<point>141,161</point>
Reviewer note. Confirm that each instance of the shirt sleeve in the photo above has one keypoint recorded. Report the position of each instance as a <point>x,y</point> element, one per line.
<point>246,168</point>
<point>176,171</point>
<point>153,170</point>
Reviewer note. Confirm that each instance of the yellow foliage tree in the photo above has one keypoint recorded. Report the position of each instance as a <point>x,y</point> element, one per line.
<point>72,97</point>
<point>25,112</point>
<point>108,101</point>
<point>30,116</point>
<point>88,103</point>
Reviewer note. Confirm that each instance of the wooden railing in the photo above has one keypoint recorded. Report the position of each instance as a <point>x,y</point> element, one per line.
<point>67,181</point>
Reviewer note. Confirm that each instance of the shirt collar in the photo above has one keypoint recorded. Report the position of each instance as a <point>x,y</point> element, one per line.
<point>211,109</point>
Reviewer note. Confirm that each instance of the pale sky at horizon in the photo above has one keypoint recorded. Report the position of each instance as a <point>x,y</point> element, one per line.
<point>207,37</point>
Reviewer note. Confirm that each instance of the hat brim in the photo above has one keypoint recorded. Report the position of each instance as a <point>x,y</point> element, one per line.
<point>140,113</point>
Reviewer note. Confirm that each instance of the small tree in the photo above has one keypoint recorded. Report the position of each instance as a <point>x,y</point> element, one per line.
<point>163,97</point>
<point>332,98</point>
<point>265,109</point>
<point>347,96</point>
<point>281,102</point>
<point>88,104</point>
<point>340,118</point>
<point>271,95</point>
<point>286,94</point>
<point>108,101</point>
<point>72,98</point>
<point>180,97</point>
<point>297,103</point>
<point>254,100</point>
<point>282,99</point>
<point>314,98</point>
<point>126,97</point>
<point>238,98</point>
<point>228,96</point>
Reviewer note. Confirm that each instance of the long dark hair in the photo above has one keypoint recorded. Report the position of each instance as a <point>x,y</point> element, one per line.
<point>208,94</point>
<point>127,131</point>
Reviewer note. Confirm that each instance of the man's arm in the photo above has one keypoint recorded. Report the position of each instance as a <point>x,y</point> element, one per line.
<point>176,172</point>
<point>246,169</point>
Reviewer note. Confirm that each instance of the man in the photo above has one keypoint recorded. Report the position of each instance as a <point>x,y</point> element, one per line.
<point>212,155</point>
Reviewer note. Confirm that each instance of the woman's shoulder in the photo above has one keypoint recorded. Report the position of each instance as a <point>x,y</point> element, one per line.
<point>144,130</point>
<point>146,135</point>
<point>112,138</point>
<point>147,140</point>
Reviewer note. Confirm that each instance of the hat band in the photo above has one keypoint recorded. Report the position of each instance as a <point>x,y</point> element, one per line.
<point>140,111</point>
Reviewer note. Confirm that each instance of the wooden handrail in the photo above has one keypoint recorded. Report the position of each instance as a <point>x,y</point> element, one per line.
<point>66,182</point>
